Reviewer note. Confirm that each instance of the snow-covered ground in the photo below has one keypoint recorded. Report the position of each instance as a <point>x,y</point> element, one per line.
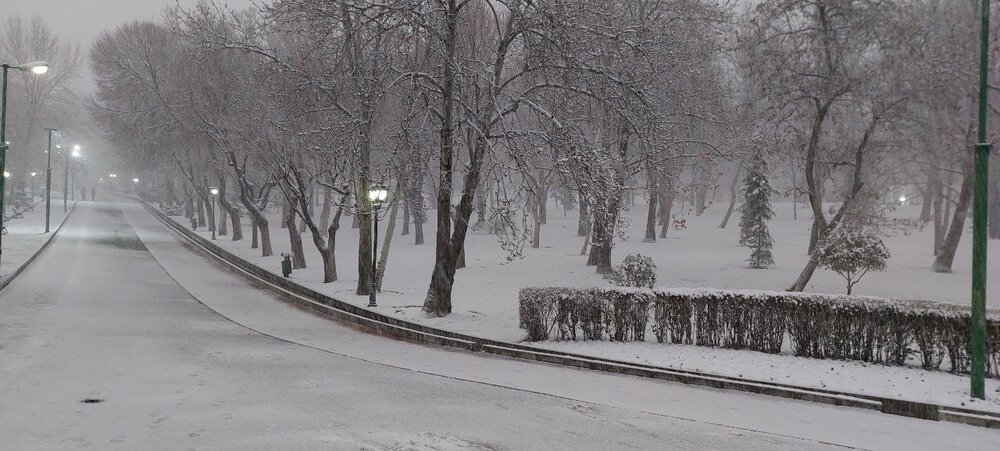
<point>233,298</point>
<point>25,235</point>
<point>702,255</point>
<point>129,330</point>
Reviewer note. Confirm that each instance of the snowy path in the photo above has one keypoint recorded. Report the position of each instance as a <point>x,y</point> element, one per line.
<point>97,317</point>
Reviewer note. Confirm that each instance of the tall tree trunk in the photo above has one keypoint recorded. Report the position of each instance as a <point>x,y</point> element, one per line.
<point>543,200</point>
<point>295,238</point>
<point>583,224</point>
<point>653,190</point>
<point>285,207</point>
<point>534,205</point>
<point>926,204</point>
<point>946,255</point>
<point>200,209</point>
<point>230,210</point>
<point>223,222</point>
<point>406,218</point>
<point>324,212</point>
<point>732,198</point>
<point>254,234</point>
<point>939,217</point>
<point>665,211</point>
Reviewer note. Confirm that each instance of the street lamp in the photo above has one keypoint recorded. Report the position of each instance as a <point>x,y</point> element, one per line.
<point>214,192</point>
<point>977,360</point>
<point>48,180</point>
<point>37,68</point>
<point>75,153</point>
<point>135,180</point>
<point>377,194</point>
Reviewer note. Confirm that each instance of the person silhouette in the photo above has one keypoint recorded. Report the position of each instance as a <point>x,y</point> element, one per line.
<point>93,193</point>
<point>83,193</point>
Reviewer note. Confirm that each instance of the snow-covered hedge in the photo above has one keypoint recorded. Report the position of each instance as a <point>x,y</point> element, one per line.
<point>811,325</point>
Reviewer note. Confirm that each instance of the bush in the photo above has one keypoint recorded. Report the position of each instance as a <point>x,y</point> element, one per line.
<point>635,271</point>
<point>811,325</point>
<point>852,254</point>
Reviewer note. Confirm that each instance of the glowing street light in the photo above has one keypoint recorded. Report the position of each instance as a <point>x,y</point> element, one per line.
<point>37,68</point>
<point>74,152</point>
<point>135,180</point>
<point>215,193</point>
<point>6,174</point>
<point>377,194</point>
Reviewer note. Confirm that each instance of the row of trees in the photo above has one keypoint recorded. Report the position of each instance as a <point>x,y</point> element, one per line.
<point>35,103</point>
<point>489,108</point>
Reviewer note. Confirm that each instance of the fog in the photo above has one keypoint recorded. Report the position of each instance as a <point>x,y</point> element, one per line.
<point>81,21</point>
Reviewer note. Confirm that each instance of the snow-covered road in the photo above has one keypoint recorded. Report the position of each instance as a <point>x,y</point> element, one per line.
<point>96,316</point>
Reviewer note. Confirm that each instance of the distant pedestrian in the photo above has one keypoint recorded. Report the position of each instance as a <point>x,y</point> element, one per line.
<point>83,193</point>
<point>93,193</point>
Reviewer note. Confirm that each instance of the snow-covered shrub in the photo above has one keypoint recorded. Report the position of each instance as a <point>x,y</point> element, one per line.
<point>635,271</point>
<point>852,253</point>
<point>818,326</point>
<point>589,314</point>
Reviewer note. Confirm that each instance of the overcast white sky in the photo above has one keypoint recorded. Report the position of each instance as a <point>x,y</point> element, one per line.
<point>83,20</point>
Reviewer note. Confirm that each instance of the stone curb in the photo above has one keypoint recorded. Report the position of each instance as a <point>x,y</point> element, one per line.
<point>401,329</point>
<point>6,280</point>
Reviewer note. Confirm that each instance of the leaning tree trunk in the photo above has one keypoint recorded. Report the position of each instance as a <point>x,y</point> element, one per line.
<point>946,255</point>
<point>324,212</point>
<point>666,209</point>
<point>390,229</point>
<point>732,199</point>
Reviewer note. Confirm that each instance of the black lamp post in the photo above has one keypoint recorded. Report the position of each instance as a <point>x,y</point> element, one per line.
<point>215,193</point>
<point>37,68</point>
<point>377,194</point>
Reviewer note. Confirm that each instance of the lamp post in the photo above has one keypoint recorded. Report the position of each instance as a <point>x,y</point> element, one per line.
<point>977,359</point>
<point>48,181</point>
<point>377,194</point>
<point>214,192</point>
<point>75,153</point>
<point>37,68</point>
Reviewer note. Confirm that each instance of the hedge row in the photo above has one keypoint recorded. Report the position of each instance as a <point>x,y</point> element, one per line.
<point>820,326</point>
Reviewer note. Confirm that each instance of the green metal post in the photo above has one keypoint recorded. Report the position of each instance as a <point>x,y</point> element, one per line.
<point>979,219</point>
<point>48,182</point>
<point>66,183</point>
<point>3,151</point>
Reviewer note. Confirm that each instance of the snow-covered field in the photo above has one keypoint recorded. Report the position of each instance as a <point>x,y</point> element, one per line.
<point>25,235</point>
<point>701,255</point>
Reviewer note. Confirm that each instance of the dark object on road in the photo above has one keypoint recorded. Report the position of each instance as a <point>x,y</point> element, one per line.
<point>286,264</point>
<point>92,401</point>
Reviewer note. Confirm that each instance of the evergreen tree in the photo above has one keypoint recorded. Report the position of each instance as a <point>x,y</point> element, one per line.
<point>755,213</point>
